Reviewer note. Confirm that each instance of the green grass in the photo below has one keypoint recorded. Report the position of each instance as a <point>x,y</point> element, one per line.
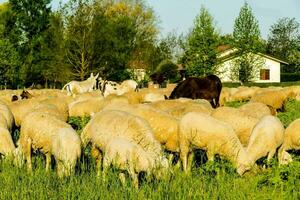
<point>217,180</point>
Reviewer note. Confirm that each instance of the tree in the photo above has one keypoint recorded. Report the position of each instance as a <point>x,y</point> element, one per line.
<point>284,42</point>
<point>200,50</point>
<point>79,38</point>
<point>32,20</point>
<point>246,35</point>
<point>56,70</point>
<point>246,31</point>
<point>9,58</point>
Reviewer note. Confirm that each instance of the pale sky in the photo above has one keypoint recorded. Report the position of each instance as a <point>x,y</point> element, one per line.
<point>178,15</point>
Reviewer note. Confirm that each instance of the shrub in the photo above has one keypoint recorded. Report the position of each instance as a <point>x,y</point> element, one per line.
<point>286,77</point>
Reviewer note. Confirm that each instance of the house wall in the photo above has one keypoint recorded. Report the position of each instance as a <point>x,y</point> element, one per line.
<point>274,71</point>
<point>225,71</point>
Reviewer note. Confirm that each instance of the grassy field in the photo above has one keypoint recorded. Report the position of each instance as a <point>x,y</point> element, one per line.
<point>216,180</point>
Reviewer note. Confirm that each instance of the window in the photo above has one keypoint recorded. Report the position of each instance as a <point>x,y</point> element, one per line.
<point>264,74</point>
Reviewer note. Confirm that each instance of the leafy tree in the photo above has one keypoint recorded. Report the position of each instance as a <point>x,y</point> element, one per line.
<point>32,20</point>
<point>246,31</point>
<point>55,69</point>
<point>200,50</point>
<point>284,42</point>
<point>168,70</point>
<point>247,40</point>
<point>9,58</point>
<point>79,38</point>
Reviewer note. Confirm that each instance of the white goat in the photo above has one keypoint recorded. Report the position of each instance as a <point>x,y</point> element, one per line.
<point>77,87</point>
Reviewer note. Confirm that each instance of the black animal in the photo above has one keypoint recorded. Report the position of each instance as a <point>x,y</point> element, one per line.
<point>208,88</point>
<point>26,95</point>
<point>14,98</point>
<point>158,78</point>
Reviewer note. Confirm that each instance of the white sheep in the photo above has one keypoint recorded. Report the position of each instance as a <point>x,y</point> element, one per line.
<point>76,87</point>
<point>7,114</point>
<point>291,141</point>
<point>244,93</point>
<point>241,122</point>
<point>216,137</point>
<point>164,126</point>
<point>200,105</point>
<point>19,109</point>
<point>106,125</point>
<point>257,109</point>
<point>86,107</point>
<point>7,146</point>
<point>111,87</point>
<point>127,155</point>
<point>266,137</point>
<point>52,137</point>
<point>276,98</point>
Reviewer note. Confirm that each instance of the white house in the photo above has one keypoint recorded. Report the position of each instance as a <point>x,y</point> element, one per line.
<point>269,70</point>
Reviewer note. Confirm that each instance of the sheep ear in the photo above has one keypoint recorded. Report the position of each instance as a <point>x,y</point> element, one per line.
<point>96,76</point>
<point>92,75</point>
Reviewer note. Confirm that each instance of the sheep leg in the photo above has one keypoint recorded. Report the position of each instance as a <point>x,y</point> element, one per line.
<point>28,154</point>
<point>134,176</point>
<point>210,155</point>
<point>190,161</point>
<point>184,151</point>
<point>122,178</point>
<point>48,161</point>
<point>96,153</point>
<point>106,164</point>
<point>270,155</point>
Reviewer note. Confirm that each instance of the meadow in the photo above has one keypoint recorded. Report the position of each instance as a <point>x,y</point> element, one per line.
<point>217,180</point>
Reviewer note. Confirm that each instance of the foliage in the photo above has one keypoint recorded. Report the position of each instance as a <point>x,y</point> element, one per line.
<point>291,113</point>
<point>246,36</point>
<point>246,67</point>
<point>9,60</point>
<point>284,42</point>
<point>168,70</point>
<point>246,31</point>
<point>288,77</point>
<point>200,49</point>
<point>78,123</point>
<point>32,20</point>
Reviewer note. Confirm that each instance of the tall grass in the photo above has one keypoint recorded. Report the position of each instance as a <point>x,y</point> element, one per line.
<point>208,180</point>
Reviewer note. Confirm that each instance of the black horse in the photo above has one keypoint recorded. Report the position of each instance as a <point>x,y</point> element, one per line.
<point>208,88</point>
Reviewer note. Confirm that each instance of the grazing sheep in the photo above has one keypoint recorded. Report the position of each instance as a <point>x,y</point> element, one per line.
<point>19,109</point>
<point>111,87</point>
<point>60,103</point>
<point>241,122</point>
<point>52,137</point>
<point>77,87</point>
<point>7,114</point>
<point>164,126</point>
<point>257,110</point>
<point>276,99</point>
<point>129,156</point>
<point>107,125</point>
<point>167,105</point>
<point>7,146</point>
<point>193,106</point>
<point>244,93</point>
<point>266,137</point>
<point>50,109</point>
<point>216,137</point>
<point>291,141</point>
<point>86,107</point>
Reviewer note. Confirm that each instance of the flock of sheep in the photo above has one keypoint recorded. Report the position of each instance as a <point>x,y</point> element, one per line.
<point>133,130</point>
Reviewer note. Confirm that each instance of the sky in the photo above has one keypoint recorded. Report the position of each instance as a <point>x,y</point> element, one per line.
<point>178,15</point>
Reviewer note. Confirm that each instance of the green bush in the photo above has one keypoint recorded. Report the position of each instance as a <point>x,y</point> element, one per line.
<point>286,77</point>
<point>169,70</point>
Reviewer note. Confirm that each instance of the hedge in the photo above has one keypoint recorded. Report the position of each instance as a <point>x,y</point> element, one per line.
<point>287,77</point>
